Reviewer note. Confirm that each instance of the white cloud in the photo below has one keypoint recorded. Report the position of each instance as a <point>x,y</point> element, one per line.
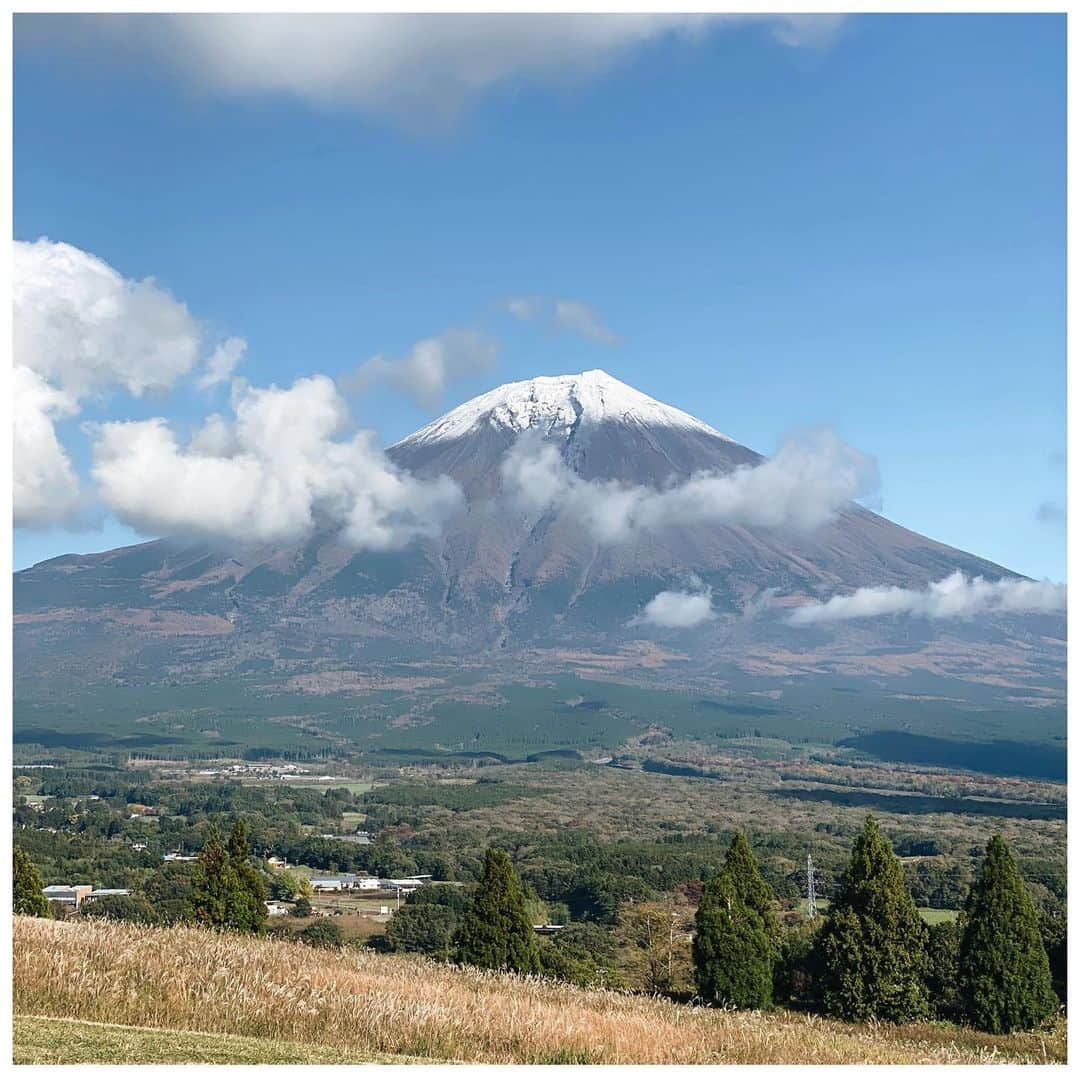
<point>418,69</point>
<point>571,315</point>
<point>84,328</point>
<point>678,609</point>
<point>803,486</point>
<point>431,364</point>
<point>45,489</point>
<point>224,360</point>
<point>80,330</point>
<point>274,473</point>
<point>955,596</point>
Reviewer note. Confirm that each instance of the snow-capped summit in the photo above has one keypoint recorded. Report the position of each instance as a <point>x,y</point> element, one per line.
<point>563,402</point>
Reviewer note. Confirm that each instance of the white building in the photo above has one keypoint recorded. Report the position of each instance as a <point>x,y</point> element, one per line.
<point>329,882</point>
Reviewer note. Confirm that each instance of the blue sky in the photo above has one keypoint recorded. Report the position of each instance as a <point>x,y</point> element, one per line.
<point>864,228</point>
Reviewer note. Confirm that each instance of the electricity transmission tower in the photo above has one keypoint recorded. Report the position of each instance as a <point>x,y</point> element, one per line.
<point>811,891</point>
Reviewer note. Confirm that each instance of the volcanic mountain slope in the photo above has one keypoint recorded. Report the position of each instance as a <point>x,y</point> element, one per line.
<point>501,580</point>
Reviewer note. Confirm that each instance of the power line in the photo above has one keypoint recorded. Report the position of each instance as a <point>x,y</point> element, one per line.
<point>811,893</point>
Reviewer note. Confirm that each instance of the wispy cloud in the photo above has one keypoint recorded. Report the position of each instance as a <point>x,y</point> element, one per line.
<point>429,367</point>
<point>570,315</point>
<point>803,486</point>
<point>1051,513</point>
<point>956,596</point>
<point>223,362</point>
<point>418,70</point>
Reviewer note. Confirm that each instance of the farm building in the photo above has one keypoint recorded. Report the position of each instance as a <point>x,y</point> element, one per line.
<point>345,881</point>
<point>68,895</point>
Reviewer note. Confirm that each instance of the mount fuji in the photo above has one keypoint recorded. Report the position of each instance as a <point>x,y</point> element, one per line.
<point>527,582</point>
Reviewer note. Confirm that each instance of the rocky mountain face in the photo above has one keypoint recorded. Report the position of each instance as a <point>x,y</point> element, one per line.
<point>505,580</point>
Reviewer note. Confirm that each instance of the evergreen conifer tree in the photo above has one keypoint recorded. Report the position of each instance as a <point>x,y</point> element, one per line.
<point>732,950</point>
<point>873,945</point>
<point>495,932</point>
<point>741,864</point>
<point>248,908</point>
<point>1004,972</point>
<point>215,882</point>
<point>26,887</point>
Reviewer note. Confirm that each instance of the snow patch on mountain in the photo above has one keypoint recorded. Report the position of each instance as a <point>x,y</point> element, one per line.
<point>556,404</point>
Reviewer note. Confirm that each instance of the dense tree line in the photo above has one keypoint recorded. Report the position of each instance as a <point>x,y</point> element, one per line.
<point>873,957</point>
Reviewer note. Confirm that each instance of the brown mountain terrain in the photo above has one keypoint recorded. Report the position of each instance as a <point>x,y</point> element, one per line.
<point>516,587</point>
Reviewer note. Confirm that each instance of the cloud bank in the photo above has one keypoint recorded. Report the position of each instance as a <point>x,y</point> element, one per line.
<point>431,364</point>
<point>271,474</point>
<point>678,609</point>
<point>80,330</point>
<point>956,596</point>
<point>803,486</point>
<point>415,69</point>
<point>571,315</point>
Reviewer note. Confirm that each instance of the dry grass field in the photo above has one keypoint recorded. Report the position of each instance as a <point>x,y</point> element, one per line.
<point>192,981</point>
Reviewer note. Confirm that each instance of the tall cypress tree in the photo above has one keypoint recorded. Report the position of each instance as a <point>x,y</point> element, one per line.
<point>1004,972</point>
<point>247,911</point>
<point>732,951</point>
<point>215,882</point>
<point>495,933</point>
<point>26,887</point>
<point>741,865</point>
<point>873,945</point>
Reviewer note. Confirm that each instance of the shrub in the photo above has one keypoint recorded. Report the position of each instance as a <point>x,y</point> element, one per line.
<point>424,928</point>
<point>322,934</point>
<point>130,907</point>
<point>796,972</point>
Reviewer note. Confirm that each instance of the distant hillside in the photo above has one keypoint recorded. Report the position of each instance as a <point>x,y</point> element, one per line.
<point>241,991</point>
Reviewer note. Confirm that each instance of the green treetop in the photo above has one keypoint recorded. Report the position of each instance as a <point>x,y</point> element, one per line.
<point>741,865</point>
<point>1004,973</point>
<point>873,944</point>
<point>495,933</point>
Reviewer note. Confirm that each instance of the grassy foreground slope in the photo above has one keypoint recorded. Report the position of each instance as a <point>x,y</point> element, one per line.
<point>366,1005</point>
<point>63,1041</point>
